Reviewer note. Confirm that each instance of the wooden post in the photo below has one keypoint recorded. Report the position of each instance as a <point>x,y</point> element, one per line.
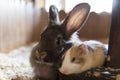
<point>114,40</point>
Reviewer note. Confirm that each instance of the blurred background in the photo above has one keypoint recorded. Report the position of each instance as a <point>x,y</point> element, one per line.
<point>21,21</point>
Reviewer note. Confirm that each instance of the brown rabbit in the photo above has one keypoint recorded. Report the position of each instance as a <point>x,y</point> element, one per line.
<point>56,38</point>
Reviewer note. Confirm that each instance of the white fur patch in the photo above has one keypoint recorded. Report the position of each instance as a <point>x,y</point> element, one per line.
<point>75,39</point>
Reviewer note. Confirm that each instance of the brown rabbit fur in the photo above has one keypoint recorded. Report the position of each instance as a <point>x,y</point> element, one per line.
<point>57,38</point>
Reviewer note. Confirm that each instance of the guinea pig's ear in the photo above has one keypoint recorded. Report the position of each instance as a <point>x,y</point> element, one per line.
<point>84,48</point>
<point>76,18</point>
<point>53,15</point>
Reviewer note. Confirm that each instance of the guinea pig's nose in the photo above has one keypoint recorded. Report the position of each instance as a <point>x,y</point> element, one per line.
<point>64,71</point>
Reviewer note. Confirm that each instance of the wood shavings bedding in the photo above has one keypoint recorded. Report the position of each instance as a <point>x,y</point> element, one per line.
<point>15,64</point>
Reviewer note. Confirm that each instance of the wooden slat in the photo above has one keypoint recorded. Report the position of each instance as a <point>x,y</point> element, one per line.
<point>20,23</point>
<point>114,41</point>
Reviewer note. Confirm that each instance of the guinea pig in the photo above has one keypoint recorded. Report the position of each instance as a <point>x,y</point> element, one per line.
<point>80,58</point>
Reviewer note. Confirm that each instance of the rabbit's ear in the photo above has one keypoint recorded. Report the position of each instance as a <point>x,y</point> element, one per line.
<point>53,15</point>
<point>76,18</point>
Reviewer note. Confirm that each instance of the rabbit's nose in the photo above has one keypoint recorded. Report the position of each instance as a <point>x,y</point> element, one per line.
<point>47,56</point>
<point>43,54</point>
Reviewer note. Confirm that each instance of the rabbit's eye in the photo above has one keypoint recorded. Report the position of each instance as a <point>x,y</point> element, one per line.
<point>59,40</point>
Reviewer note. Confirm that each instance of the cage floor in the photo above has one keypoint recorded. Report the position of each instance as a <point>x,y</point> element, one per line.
<point>15,66</point>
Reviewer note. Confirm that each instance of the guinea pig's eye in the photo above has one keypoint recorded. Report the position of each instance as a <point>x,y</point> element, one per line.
<point>73,59</point>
